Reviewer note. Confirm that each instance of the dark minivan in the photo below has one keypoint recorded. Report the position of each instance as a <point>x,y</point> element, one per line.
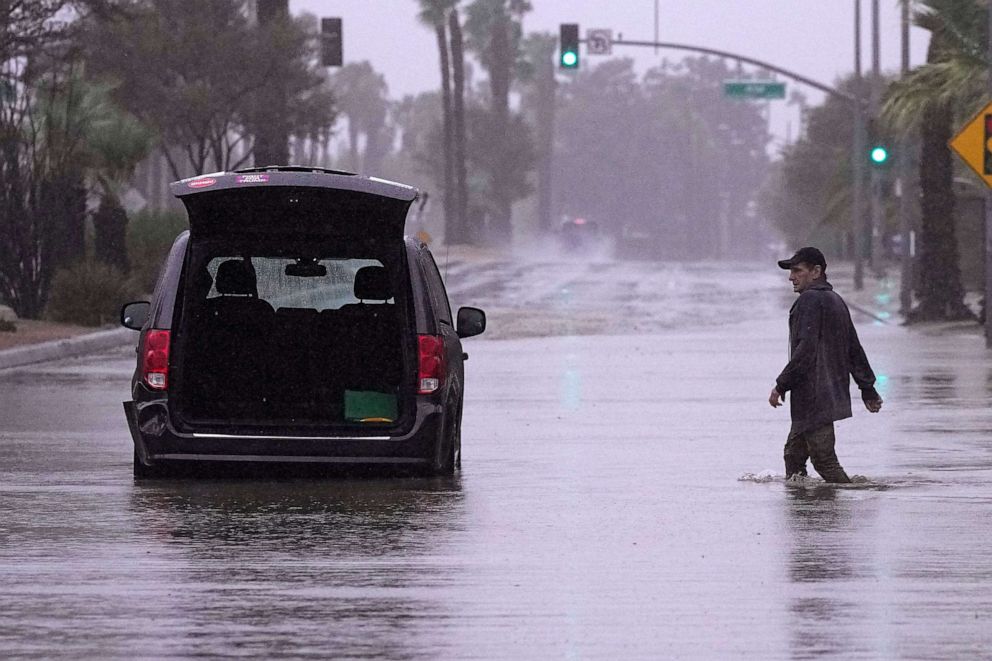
<point>294,323</point>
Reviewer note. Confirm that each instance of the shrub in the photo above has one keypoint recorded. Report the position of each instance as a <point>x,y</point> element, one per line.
<point>149,236</point>
<point>7,326</point>
<point>90,294</point>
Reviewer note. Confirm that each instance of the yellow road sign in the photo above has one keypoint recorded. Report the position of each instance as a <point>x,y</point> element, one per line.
<point>973,144</point>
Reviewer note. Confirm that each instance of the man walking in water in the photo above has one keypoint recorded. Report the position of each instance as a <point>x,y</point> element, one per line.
<point>824,353</point>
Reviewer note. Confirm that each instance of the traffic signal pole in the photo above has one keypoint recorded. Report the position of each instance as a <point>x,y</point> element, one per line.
<point>856,101</point>
<point>903,164</point>
<point>799,78</point>
<point>857,166</point>
<point>877,218</point>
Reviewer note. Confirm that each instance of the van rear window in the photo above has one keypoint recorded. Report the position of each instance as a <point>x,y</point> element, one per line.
<point>324,284</point>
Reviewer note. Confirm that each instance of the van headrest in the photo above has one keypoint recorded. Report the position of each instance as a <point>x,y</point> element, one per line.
<point>372,284</point>
<point>236,277</point>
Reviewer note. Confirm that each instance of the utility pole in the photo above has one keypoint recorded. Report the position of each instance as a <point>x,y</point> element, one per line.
<point>272,129</point>
<point>988,224</point>
<point>903,163</point>
<point>877,212</point>
<point>656,26</point>
<point>857,217</point>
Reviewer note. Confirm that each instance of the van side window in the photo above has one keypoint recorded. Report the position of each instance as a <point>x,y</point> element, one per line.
<point>435,285</point>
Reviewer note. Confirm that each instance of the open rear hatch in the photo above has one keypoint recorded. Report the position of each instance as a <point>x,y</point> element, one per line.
<point>295,307</point>
<point>295,202</point>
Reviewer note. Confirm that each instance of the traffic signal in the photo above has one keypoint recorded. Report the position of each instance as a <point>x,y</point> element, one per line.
<point>331,42</point>
<point>879,154</point>
<point>568,42</point>
<point>878,149</point>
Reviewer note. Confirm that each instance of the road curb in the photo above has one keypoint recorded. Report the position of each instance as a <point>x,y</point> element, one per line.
<point>67,348</point>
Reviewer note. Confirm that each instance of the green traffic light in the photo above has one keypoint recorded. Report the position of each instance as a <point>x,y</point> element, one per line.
<point>569,58</point>
<point>879,155</point>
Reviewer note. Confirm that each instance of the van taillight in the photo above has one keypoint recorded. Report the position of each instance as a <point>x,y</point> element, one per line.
<point>430,373</point>
<point>155,360</point>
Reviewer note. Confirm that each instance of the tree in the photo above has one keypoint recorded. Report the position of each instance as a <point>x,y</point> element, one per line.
<point>42,199</point>
<point>434,13</point>
<point>420,153</point>
<point>491,148</point>
<point>115,143</point>
<point>953,76</point>
<point>495,33</point>
<point>458,230</point>
<point>808,199</point>
<point>362,98</point>
<point>27,27</point>
<point>539,101</point>
<point>312,107</point>
<point>665,162</point>
<point>202,76</point>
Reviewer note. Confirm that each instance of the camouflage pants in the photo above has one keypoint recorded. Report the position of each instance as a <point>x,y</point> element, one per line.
<point>818,445</point>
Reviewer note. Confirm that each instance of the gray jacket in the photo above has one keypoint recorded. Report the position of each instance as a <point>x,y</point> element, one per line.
<point>824,353</point>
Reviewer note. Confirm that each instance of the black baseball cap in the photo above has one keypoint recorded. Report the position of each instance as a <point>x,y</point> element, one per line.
<point>808,255</point>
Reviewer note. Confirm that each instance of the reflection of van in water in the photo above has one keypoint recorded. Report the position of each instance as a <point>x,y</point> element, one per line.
<point>294,323</point>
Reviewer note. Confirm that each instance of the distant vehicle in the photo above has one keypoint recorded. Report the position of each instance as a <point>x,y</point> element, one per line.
<point>580,235</point>
<point>293,323</point>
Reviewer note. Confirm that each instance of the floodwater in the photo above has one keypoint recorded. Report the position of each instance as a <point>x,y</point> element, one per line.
<point>600,512</point>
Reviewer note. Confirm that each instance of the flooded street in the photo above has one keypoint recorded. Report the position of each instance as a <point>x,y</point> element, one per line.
<point>600,510</point>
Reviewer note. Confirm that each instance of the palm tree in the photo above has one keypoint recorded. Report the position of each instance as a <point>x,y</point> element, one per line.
<point>116,143</point>
<point>495,31</point>
<point>540,52</point>
<point>434,13</point>
<point>927,99</point>
<point>109,145</point>
<point>361,95</point>
<point>457,229</point>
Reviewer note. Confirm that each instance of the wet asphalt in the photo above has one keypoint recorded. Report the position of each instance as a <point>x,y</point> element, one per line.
<point>600,511</point>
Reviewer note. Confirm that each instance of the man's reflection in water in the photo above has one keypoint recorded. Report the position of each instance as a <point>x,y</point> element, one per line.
<point>333,567</point>
<point>823,559</point>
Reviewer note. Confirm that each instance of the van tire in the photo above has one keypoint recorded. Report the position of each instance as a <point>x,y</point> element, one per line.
<point>458,439</point>
<point>444,459</point>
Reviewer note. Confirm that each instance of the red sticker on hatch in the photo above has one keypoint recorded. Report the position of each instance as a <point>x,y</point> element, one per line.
<point>202,183</point>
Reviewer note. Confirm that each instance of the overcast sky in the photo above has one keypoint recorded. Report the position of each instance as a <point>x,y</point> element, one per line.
<point>812,37</point>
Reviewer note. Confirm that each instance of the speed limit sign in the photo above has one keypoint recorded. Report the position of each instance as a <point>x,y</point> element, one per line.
<point>599,41</point>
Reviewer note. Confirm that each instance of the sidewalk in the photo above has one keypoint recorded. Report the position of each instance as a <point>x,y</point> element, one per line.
<point>74,341</point>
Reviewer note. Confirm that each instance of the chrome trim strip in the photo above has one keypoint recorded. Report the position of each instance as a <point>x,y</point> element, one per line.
<point>290,459</point>
<point>295,438</point>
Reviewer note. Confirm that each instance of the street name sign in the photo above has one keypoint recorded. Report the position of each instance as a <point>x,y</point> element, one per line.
<point>753,89</point>
<point>973,144</point>
<point>599,41</point>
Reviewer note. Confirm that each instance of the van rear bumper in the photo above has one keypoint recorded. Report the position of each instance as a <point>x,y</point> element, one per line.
<point>155,441</point>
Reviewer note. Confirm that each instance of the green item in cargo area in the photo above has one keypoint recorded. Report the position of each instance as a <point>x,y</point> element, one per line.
<point>370,406</point>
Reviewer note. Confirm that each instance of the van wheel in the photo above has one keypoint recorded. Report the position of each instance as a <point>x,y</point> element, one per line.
<point>143,472</point>
<point>458,439</point>
<point>444,462</point>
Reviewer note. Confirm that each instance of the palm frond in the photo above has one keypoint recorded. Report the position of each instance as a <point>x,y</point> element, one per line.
<point>954,81</point>
<point>961,24</point>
